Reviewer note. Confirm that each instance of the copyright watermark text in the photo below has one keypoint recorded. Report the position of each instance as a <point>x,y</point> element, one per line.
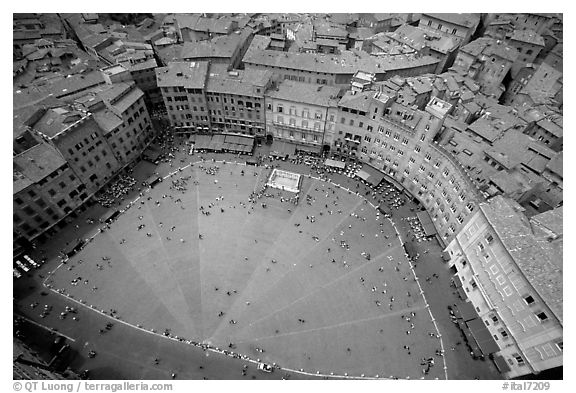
<point>89,386</point>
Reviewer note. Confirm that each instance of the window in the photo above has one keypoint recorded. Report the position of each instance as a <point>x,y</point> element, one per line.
<point>494,269</point>
<point>427,157</point>
<point>542,316</point>
<point>280,109</point>
<point>503,333</point>
<point>500,279</point>
<point>489,239</point>
<point>507,290</point>
<point>529,299</point>
<point>417,149</point>
<point>518,359</point>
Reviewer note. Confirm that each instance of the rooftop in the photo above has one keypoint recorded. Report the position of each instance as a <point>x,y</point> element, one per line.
<point>22,118</point>
<point>511,149</point>
<point>238,82</point>
<point>466,20</point>
<point>37,162</point>
<point>490,47</point>
<point>360,101</point>
<point>555,165</point>
<point>329,30</point>
<point>119,96</point>
<point>511,182</point>
<point>418,38</point>
<point>306,93</point>
<point>550,221</point>
<point>485,129</point>
<point>107,120</point>
<point>221,46</point>
<point>56,120</point>
<point>348,62</point>
<point>529,36</point>
<point>141,65</point>
<point>538,259</point>
<point>189,75</point>
<point>198,23</point>
<point>551,127</point>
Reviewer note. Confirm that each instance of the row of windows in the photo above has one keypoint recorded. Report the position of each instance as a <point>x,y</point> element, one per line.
<point>292,111</point>
<point>303,123</point>
<point>302,135</point>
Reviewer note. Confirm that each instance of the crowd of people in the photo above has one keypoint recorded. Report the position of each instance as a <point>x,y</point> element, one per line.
<point>115,191</point>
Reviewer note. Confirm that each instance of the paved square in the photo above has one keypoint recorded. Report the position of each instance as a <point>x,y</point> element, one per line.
<point>320,286</point>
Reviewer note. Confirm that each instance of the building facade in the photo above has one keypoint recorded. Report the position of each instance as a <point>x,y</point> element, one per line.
<point>235,100</point>
<point>461,26</point>
<point>511,270</point>
<point>399,141</point>
<point>300,113</point>
<point>45,190</point>
<point>487,61</point>
<point>183,85</point>
<point>79,139</point>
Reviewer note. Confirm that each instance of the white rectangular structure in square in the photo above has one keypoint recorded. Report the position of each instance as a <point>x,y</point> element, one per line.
<point>284,180</point>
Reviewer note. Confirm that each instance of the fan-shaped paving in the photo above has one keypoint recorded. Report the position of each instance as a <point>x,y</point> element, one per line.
<point>261,277</point>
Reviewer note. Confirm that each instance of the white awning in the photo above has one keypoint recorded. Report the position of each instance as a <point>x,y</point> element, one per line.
<point>334,163</point>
